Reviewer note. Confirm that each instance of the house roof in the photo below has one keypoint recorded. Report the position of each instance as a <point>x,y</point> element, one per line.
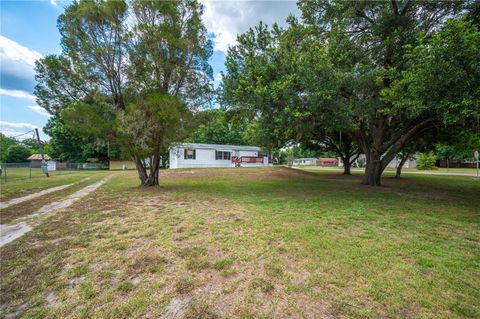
<point>38,157</point>
<point>217,146</point>
<point>327,159</point>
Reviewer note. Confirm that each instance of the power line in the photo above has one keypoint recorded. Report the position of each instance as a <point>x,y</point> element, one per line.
<point>21,134</point>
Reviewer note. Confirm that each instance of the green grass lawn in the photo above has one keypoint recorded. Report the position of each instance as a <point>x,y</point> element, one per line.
<point>389,170</point>
<point>253,243</point>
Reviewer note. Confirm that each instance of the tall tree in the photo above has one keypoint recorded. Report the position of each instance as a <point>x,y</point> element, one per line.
<point>363,67</point>
<point>288,86</point>
<point>396,41</point>
<point>139,83</point>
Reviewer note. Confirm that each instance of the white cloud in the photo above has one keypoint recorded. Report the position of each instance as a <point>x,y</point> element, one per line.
<point>38,109</point>
<point>53,2</point>
<point>227,19</point>
<point>18,93</point>
<point>17,62</point>
<point>218,77</point>
<point>17,125</point>
<point>13,51</point>
<point>13,129</point>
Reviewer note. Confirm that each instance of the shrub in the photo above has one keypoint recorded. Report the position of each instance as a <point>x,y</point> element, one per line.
<point>426,161</point>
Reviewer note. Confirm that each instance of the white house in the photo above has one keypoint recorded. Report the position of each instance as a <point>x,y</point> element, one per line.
<point>410,163</point>
<point>192,155</point>
<point>307,161</point>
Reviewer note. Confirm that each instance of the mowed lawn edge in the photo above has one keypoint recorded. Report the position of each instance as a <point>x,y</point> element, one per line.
<point>266,242</point>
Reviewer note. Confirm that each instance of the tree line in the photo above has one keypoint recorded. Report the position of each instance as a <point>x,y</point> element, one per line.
<point>16,151</point>
<point>373,77</point>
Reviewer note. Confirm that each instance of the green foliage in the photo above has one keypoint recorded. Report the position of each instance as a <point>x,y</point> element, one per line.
<point>461,147</point>
<point>166,118</point>
<point>383,73</point>
<point>442,76</point>
<point>5,144</point>
<point>32,144</point>
<point>66,146</point>
<point>215,127</point>
<point>426,161</point>
<point>18,154</point>
<point>132,86</point>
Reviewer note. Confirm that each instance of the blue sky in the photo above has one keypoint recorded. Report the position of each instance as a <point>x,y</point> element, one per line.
<point>28,31</point>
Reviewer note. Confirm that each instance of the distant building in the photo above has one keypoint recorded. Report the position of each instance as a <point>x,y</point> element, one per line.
<point>193,155</point>
<point>327,161</point>
<point>307,161</point>
<point>36,159</point>
<point>410,163</point>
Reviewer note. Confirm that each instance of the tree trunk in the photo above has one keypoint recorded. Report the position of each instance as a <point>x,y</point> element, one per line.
<point>373,171</point>
<point>346,166</point>
<point>153,179</point>
<point>400,165</point>
<point>142,172</point>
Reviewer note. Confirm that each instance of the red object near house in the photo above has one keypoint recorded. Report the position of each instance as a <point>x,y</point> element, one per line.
<point>327,161</point>
<point>246,159</point>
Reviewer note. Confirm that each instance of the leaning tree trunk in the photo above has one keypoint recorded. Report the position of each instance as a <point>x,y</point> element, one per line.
<point>400,166</point>
<point>153,177</point>
<point>142,172</point>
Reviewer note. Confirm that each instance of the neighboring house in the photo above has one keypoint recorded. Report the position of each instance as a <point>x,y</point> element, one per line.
<point>410,163</point>
<point>307,161</point>
<point>192,155</point>
<point>36,159</point>
<point>358,163</point>
<point>327,161</point>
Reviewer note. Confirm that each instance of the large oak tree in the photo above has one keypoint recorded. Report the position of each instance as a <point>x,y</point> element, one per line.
<point>384,73</point>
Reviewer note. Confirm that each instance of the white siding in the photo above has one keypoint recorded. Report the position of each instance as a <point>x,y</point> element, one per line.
<point>205,157</point>
<point>249,153</point>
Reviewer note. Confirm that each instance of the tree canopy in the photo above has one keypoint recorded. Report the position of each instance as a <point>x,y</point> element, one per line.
<point>216,126</point>
<point>133,85</point>
<point>380,73</point>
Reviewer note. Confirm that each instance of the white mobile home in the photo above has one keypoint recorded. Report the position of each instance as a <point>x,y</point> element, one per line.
<point>307,161</point>
<point>192,155</point>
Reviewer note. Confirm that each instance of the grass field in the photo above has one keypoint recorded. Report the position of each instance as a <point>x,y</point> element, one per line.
<point>252,243</point>
<point>389,171</point>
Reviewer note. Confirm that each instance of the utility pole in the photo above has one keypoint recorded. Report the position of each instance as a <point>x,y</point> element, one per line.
<point>44,163</point>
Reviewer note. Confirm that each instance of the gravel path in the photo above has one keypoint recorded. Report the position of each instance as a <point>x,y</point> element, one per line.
<point>11,232</point>
<point>32,196</point>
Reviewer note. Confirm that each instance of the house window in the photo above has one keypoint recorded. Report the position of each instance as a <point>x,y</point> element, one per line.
<point>220,155</point>
<point>189,154</point>
<point>262,154</point>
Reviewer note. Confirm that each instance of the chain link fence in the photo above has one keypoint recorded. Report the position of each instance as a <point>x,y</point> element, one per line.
<point>17,171</point>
